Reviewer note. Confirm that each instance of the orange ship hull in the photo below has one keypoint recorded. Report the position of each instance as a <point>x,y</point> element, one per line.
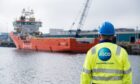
<point>52,44</point>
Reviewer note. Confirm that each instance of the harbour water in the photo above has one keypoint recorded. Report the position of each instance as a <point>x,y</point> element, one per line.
<point>29,67</point>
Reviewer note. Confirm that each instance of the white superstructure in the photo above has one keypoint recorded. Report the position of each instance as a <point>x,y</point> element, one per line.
<point>27,22</point>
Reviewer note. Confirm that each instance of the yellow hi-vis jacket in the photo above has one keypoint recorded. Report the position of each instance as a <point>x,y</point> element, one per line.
<point>106,63</point>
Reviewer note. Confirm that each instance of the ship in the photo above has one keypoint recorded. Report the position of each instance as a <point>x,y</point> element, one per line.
<point>28,37</point>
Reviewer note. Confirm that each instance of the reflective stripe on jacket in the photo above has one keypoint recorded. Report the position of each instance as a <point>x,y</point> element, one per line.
<point>106,63</point>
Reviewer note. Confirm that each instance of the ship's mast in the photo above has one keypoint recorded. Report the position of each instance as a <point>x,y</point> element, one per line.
<point>27,13</point>
<point>83,16</point>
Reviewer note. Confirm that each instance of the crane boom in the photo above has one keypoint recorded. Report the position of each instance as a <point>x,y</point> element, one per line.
<point>83,15</point>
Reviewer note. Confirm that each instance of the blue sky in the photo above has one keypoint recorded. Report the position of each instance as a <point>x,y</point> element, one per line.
<point>61,13</point>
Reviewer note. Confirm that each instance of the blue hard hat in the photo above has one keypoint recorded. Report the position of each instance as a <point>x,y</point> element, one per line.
<point>107,28</point>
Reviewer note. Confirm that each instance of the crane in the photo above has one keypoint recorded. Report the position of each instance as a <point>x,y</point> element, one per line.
<point>83,17</point>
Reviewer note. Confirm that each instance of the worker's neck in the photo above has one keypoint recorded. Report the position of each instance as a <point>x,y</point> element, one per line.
<point>105,40</point>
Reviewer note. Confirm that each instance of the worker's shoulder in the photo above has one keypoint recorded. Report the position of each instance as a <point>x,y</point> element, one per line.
<point>123,49</point>
<point>100,45</point>
<point>107,44</point>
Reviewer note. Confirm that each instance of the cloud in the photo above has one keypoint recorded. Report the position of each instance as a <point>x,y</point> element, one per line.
<point>61,13</point>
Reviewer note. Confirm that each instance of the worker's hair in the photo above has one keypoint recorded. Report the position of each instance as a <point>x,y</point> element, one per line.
<point>107,36</point>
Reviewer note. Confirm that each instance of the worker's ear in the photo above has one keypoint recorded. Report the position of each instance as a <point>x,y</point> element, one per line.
<point>114,39</point>
<point>99,36</point>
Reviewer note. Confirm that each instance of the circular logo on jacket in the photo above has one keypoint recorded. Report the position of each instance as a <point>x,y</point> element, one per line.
<point>104,54</point>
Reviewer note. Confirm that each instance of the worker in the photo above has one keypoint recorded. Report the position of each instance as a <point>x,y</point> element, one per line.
<point>106,62</point>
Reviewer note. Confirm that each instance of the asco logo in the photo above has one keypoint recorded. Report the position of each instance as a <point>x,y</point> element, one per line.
<point>104,54</point>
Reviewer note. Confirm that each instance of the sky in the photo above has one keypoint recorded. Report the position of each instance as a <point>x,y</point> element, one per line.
<point>60,14</point>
